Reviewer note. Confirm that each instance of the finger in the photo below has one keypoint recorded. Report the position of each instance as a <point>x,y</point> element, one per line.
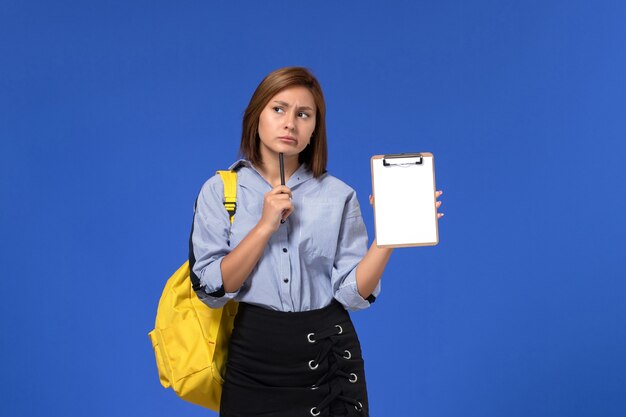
<point>281,189</point>
<point>438,204</point>
<point>274,199</point>
<point>371,200</point>
<point>438,193</point>
<point>282,205</point>
<point>286,213</point>
<point>439,215</point>
<point>279,197</point>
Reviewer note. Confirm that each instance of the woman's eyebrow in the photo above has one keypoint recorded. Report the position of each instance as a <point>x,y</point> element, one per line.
<point>285,104</point>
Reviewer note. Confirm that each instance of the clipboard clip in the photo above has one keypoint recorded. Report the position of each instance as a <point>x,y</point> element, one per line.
<point>401,156</point>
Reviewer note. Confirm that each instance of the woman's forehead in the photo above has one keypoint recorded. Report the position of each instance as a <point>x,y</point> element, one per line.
<point>298,95</point>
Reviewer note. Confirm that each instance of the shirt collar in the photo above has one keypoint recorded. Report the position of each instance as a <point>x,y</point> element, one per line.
<point>248,175</point>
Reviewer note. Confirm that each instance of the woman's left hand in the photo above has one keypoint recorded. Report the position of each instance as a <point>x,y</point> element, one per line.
<point>437,205</point>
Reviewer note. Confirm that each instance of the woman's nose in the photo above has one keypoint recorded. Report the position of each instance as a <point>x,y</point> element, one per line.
<point>290,123</point>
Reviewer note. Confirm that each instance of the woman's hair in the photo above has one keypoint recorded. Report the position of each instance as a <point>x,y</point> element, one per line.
<point>316,154</point>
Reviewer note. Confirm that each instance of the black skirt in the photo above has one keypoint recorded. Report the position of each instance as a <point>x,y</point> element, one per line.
<point>294,364</point>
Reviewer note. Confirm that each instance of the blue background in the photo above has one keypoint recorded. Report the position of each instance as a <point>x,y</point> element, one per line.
<point>113,114</point>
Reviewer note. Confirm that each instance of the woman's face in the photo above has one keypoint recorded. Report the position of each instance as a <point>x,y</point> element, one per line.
<point>287,123</point>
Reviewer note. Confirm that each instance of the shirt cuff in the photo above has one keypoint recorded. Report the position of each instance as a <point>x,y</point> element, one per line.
<point>212,291</point>
<point>349,296</point>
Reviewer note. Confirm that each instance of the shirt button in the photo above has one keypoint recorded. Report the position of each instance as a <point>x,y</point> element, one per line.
<point>285,250</point>
<point>285,280</point>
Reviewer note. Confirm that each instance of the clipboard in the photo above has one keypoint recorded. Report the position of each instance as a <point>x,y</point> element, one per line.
<point>403,186</point>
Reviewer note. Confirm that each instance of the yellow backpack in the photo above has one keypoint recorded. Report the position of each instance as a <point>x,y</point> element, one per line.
<point>190,340</point>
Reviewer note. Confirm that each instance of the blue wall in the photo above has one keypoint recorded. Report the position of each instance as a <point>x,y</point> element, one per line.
<point>113,114</point>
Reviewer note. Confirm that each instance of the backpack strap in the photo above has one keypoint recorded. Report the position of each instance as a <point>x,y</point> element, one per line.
<point>229,178</point>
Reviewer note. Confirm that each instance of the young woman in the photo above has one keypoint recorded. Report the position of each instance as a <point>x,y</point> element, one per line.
<point>296,259</point>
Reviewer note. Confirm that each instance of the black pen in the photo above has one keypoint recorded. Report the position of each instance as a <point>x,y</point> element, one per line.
<point>281,160</point>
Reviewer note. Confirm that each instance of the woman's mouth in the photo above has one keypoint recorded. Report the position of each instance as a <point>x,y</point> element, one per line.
<point>287,139</point>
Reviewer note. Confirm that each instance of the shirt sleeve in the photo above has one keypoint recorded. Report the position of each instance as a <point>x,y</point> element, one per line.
<point>209,244</point>
<point>351,248</point>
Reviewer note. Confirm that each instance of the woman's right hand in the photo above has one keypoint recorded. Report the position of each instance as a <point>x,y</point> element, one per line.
<point>277,206</point>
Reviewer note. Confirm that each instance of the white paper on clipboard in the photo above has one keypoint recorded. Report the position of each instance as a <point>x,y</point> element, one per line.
<point>403,186</point>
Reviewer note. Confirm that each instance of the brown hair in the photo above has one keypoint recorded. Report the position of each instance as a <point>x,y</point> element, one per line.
<point>316,154</point>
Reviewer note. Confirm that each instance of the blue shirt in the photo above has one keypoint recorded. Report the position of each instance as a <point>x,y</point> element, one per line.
<point>308,261</point>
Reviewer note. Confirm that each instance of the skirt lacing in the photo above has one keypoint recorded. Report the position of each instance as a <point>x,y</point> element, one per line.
<point>338,361</point>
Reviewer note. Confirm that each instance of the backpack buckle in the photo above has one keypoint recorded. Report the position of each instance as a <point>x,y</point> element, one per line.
<point>231,207</point>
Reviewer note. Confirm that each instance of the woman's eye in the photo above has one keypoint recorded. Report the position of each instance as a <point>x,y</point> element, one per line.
<point>303,115</point>
<point>278,109</point>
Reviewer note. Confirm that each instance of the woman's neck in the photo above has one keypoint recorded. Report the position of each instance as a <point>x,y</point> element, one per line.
<point>270,168</point>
